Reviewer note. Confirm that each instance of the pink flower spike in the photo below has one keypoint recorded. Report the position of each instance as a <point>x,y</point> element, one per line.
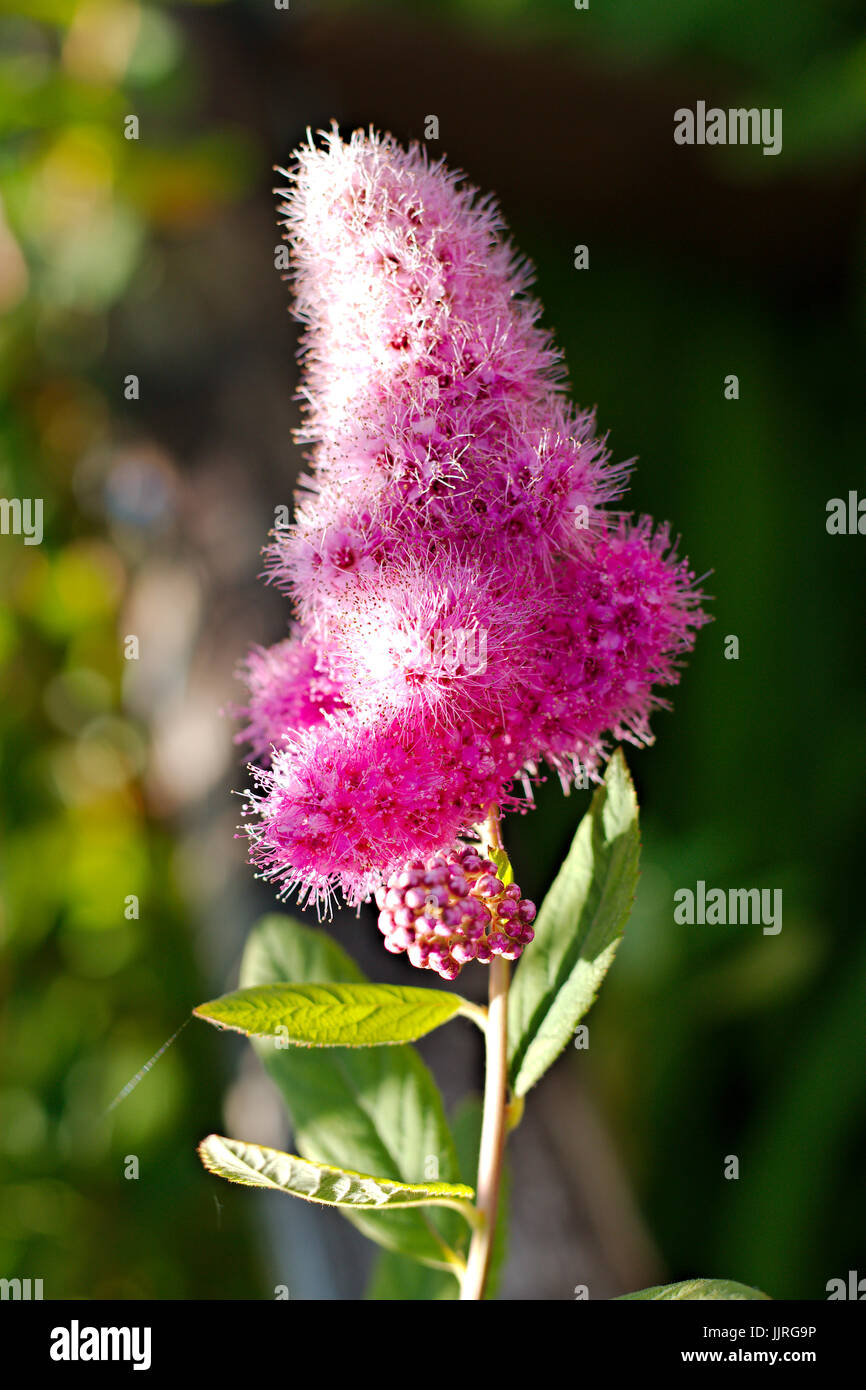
<point>470,606</point>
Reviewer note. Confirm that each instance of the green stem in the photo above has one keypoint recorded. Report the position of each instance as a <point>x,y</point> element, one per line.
<point>476,1012</point>
<point>474,1279</point>
<point>467,1210</point>
<point>492,1134</point>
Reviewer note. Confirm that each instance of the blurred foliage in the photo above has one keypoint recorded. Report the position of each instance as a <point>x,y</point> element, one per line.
<point>92,990</point>
<point>809,58</point>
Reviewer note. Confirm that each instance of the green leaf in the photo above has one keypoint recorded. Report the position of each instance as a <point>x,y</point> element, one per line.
<point>577,930</point>
<point>335,1015</point>
<point>375,1110</point>
<point>396,1278</point>
<point>503,864</point>
<point>256,1166</point>
<point>696,1289</point>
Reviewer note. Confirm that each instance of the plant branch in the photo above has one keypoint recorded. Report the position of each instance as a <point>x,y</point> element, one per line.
<point>493,1123</point>
<point>492,1134</point>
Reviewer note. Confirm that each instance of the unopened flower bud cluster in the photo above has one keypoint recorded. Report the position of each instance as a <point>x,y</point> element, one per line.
<point>453,908</point>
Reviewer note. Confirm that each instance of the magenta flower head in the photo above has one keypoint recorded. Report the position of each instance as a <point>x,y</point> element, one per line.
<point>469,608</point>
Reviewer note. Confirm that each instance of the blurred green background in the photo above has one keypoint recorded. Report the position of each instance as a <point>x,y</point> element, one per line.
<point>154,257</point>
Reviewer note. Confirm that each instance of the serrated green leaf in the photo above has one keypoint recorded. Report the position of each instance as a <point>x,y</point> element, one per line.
<point>372,1109</point>
<point>335,1015</point>
<point>696,1289</point>
<point>396,1278</point>
<point>254,1165</point>
<point>577,931</point>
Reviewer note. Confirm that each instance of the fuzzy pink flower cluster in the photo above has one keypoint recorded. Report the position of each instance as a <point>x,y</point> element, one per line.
<point>466,607</point>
